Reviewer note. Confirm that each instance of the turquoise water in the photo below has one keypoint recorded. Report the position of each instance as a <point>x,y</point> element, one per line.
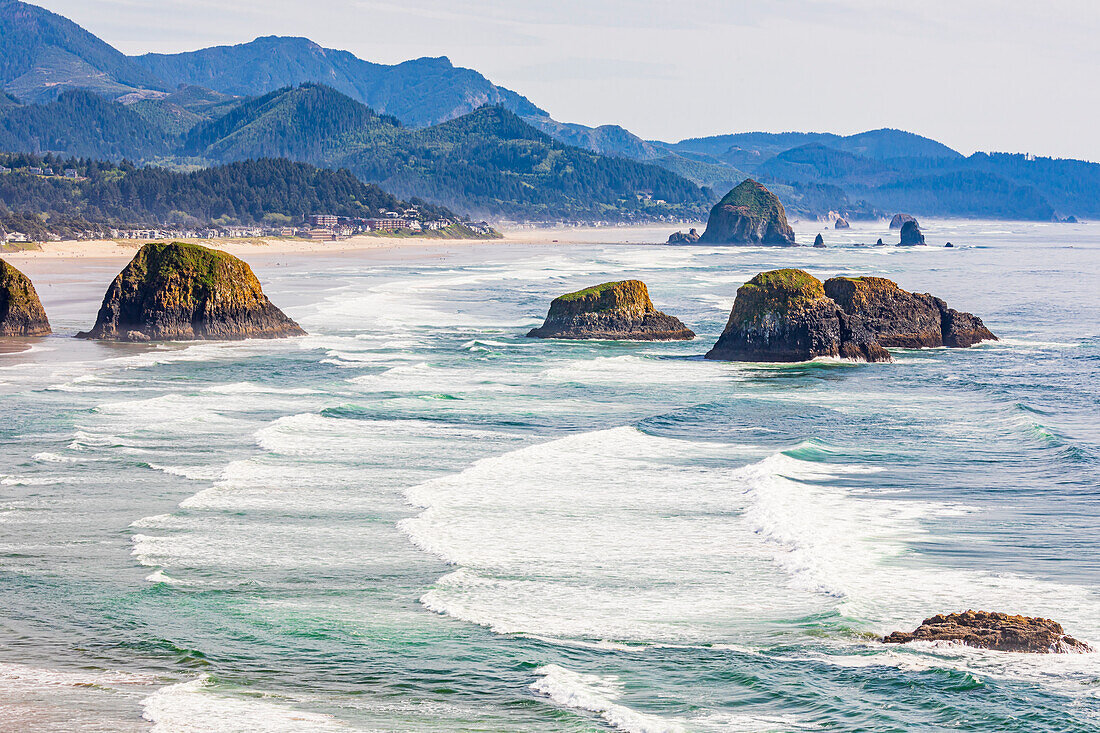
<point>417,519</point>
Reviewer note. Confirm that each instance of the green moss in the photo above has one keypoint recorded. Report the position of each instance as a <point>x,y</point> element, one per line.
<point>754,200</point>
<point>206,266</point>
<point>777,292</point>
<point>593,292</point>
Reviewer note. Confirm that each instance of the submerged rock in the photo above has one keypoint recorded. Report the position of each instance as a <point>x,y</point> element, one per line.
<point>819,242</point>
<point>749,214</point>
<point>899,220</point>
<point>611,311</point>
<point>182,292</point>
<point>911,235</point>
<point>785,316</point>
<point>842,223</point>
<point>21,312</point>
<point>680,238</point>
<point>998,631</point>
<point>898,318</point>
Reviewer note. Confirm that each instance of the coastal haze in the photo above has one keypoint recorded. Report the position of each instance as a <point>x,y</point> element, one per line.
<point>482,366</point>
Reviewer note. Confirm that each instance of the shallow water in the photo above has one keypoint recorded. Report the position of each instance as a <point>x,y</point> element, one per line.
<point>417,519</point>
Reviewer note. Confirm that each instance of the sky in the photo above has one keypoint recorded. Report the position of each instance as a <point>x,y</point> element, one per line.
<point>994,75</point>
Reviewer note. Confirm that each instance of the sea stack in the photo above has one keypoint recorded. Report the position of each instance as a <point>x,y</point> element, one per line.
<point>911,235</point>
<point>899,220</point>
<point>785,316</point>
<point>183,292</point>
<point>998,631</point>
<point>819,242</point>
<point>611,311</point>
<point>898,318</point>
<point>842,223</point>
<point>21,312</point>
<point>680,238</point>
<point>750,214</point>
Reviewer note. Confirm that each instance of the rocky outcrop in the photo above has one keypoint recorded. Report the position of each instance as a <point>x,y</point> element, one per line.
<point>898,318</point>
<point>880,243</point>
<point>842,223</point>
<point>183,292</point>
<point>21,312</point>
<point>899,220</point>
<point>680,238</point>
<point>611,311</point>
<point>785,316</point>
<point>749,214</point>
<point>998,631</point>
<point>911,235</point>
<point>819,242</point>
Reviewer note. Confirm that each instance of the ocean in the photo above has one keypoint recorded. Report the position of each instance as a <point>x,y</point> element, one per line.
<point>417,519</point>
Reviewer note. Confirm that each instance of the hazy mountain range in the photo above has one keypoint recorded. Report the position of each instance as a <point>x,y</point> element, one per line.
<point>421,128</point>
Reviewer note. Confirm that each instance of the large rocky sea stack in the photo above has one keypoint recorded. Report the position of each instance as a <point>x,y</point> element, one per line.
<point>21,312</point>
<point>899,220</point>
<point>999,631</point>
<point>898,318</point>
<point>183,292</point>
<point>611,311</point>
<point>785,316</point>
<point>911,235</point>
<point>749,214</point>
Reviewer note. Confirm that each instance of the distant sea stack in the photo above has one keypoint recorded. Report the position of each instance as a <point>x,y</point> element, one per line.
<point>611,311</point>
<point>842,223</point>
<point>899,220</point>
<point>819,242</point>
<point>785,316</point>
<point>751,215</point>
<point>21,312</point>
<point>998,631</point>
<point>183,292</point>
<point>680,238</point>
<point>911,235</point>
<point>898,318</point>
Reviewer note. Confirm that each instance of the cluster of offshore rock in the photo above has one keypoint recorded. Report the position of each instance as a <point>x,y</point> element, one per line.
<point>611,311</point>
<point>168,292</point>
<point>998,631</point>
<point>778,316</point>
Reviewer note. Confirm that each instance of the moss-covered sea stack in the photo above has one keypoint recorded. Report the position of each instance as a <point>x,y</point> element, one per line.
<point>784,316</point>
<point>898,318</point>
<point>21,312</point>
<point>611,311</point>
<point>749,214</point>
<point>183,292</point>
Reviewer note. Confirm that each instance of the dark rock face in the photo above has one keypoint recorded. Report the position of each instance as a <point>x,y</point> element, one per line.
<point>680,238</point>
<point>183,292</point>
<point>749,214</point>
<point>880,243</point>
<point>899,220</point>
<point>21,312</point>
<point>911,235</point>
<point>819,242</point>
<point>949,245</point>
<point>842,223</point>
<point>998,631</point>
<point>611,311</point>
<point>785,316</point>
<point>898,318</point>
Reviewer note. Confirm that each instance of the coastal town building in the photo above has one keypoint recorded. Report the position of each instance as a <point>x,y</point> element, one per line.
<point>324,221</point>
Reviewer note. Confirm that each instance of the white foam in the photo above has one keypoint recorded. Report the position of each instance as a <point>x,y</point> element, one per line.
<point>194,707</point>
<point>596,694</point>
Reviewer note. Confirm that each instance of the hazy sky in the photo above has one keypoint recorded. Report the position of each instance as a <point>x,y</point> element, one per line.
<point>976,74</point>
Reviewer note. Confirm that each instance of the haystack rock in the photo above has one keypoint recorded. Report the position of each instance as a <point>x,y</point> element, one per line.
<point>611,311</point>
<point>842,223</point>
<point>680,238</point>
<point>21,312</point>
<point>911,235</point>
<point>899,220</point>
<point>819,242</point>
<point>749,214</point>
<point>898,318</point>
<point>785,316</point>
<point>998,631</point>
<point>183,292</point>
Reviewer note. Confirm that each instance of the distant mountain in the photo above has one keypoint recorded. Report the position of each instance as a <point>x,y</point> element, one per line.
<point>815,163</point>
<point>83,124</point>
<point>420,92</point>
<point>42,53</point>
<point>605,139</point>
<point>753,148</point>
